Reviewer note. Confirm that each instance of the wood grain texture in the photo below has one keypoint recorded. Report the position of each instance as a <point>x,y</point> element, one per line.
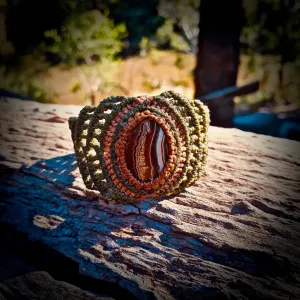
<point>233,235</point>
<point>26,287</point>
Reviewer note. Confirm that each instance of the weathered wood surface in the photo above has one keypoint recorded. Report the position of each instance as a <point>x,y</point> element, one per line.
<point>233,235</point>
<point>26,287</point>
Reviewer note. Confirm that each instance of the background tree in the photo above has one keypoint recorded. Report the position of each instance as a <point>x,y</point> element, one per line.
<point>218,55</point>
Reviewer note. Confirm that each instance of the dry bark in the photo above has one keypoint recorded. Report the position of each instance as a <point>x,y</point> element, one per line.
<point>232,235</point>
<point>27,287</point>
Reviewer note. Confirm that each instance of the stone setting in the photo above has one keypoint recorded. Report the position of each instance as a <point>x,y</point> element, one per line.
<point>146,150</point>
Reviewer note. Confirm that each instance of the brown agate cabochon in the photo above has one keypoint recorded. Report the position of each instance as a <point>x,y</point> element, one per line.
<point>146,151</point>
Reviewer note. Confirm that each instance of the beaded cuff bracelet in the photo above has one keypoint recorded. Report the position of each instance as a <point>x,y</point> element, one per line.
<point>132,148</point>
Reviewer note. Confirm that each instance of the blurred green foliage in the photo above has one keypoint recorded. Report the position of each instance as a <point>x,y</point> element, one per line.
<point>85,36</point>
<point>141,18</point>
<point>25,79</point>
<point>179,63</point>
<point>272,27</point>
<point>167,37</point>
<point>180,29</point>
<point>76,87</point>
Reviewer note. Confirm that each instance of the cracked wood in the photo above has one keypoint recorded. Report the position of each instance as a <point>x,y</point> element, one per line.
<point>233,234</point>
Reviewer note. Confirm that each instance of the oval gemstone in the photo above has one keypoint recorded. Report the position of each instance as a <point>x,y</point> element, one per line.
<point>146,150</point>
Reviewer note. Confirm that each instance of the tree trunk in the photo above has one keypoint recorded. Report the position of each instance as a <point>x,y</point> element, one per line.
<point>234,234</point>
<point>218,55</point>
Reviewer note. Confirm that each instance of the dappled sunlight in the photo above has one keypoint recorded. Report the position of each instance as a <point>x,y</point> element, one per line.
<point>48,222</point>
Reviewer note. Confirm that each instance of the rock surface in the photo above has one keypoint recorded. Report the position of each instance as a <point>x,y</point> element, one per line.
<point>232,235</point>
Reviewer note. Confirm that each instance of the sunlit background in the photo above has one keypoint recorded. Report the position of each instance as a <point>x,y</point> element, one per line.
<point>79,52</point>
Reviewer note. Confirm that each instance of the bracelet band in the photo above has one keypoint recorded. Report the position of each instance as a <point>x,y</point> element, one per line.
<point>132,148</point>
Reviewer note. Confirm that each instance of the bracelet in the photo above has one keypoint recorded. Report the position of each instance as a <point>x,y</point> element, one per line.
<point>132,148</point>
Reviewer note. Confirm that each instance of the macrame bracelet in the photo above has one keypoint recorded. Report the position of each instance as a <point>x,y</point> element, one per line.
<point>132,148</point>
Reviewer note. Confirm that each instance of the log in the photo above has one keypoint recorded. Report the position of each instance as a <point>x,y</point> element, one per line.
<point>231,91</point>
<point>25,287</point>
<point>234,234</point>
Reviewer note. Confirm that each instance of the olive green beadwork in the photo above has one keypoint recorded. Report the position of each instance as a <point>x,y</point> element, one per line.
<point>97,130</point>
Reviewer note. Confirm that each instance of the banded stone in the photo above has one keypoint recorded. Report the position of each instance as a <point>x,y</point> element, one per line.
<point>146,151</point>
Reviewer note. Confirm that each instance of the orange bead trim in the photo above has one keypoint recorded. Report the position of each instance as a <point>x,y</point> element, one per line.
<point>182,158</point>
<point>106,152</point>
<point>120,151</point>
